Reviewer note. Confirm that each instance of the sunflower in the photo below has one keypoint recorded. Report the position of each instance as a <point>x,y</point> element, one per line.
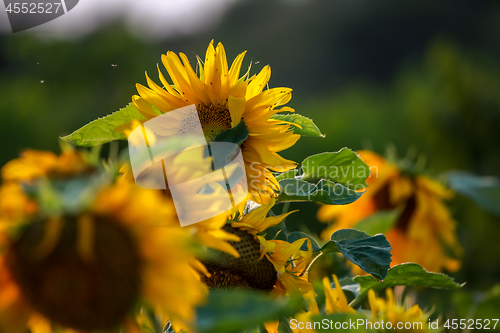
<point>223,99</point>
<point>335,302</point>
<point>424,222</point>
<point>274,266</point>
<point>93,269</point>
<point>270,265</point>
<point>386,314</point>
<point>388,311</point>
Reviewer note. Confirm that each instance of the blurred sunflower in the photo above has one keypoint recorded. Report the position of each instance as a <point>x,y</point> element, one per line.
<point>388,310</point>
<point>335,302</point>
<point>89,270</point>
<point>222,100</point>
<point>383,311</point>
<point>424,222</point>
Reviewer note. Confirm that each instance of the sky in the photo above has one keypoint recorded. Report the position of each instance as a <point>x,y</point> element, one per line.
<point>146,18</point>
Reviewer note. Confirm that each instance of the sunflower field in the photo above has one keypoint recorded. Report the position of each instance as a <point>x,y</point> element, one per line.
<point>156,178</point>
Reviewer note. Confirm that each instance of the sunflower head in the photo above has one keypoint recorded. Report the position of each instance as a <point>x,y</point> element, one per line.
<point>90,267</point>
<point>423,220</point>
<point>389,310</point>
<point>271,265</point>
<point>223,99</point>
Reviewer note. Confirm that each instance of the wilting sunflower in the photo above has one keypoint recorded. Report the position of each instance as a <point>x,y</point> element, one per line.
<point>276,266</point>
<point>91,269</point>
<point>268,265</point>
<point>223,99</point>
<point>424,222</point>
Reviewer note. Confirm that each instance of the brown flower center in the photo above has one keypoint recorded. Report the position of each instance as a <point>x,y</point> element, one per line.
<point>214,119</point>
<point>91,294</point>
<point>247,271</point>
<point>382,202</point>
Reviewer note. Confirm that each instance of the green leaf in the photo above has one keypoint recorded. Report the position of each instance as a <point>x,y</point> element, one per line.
<point>306,126</point>
<point>371,253</point>
<point>334,322</point>
<point>485,191</point>
<point>237,134</point>
<point>343,167</point>
<point>232,310</point>
<point>324,191</point>
<point>102,130</point>
<point>408,274</point>
<point>290,174</point>
<point>379,222</point>
<point>296,235</point>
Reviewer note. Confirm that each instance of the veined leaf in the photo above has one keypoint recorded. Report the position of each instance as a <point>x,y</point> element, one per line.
<point>324,191</point>
<point>342,167</point>
<point>371,253</point>
<point>102,130</point>
<point>300,125</point>
<point>408,274</point>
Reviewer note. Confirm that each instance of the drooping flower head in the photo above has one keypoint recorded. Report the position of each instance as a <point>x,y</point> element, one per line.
<point>424,221</point>
<point>269,265</point>
<point>89,267</point>
<point>223,99</point>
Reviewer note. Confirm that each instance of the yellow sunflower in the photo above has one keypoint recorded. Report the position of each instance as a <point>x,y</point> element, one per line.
<point>276,266</point>
<point>223,99</point>
<point>395,317</point>
<point>259,263</point>
<point>335,302</point>
<point>91,270</point>
<point>387,315</point>
<point>424,223</point>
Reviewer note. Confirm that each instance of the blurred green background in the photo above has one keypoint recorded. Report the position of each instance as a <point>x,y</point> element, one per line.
<point>421,75</point>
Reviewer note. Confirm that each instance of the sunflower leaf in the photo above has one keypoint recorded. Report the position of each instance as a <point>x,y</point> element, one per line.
<point>102,130</point>
<point>235,310</point>
<point>324,191</point>
<point>342,167</point>
<point>408,274</point>
<point>485,191</point>
<point>300,125</point>
<point>371,253</point>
